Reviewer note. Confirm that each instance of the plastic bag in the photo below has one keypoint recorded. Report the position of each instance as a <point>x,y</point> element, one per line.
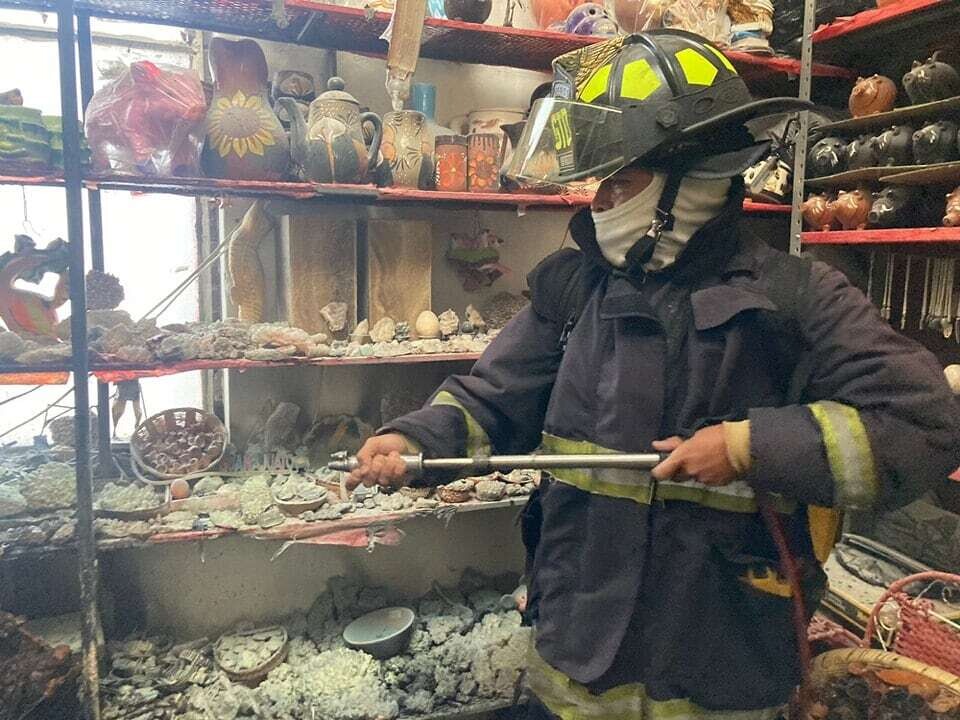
<point>149,121</point>
<point>707,18</point>
<point>638,15</point>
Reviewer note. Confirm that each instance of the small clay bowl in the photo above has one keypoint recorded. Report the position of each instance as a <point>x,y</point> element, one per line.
<point>382,633</point>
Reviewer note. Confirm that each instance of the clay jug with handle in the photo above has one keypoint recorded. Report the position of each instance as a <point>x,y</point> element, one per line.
<point>245,140</point>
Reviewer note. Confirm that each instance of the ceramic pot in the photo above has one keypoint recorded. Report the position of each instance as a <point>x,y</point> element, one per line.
<point>817,213</point>
<point>331,147</point>
<point>861,153</point>
<point>635,16</point>
<point>895,206</point>
<point>552,12</point>
<point>951,217</point>
<point>483,162</point>
<point>894,146</point>
<point>826,157</point>
<point>930,81</point>
<point>407,145</point>
<point>245,140</point>
<point>451,163</point>
<point>875,94</point>
<point>851,208</point>
<point>935,143</point>
<point>472,11</point>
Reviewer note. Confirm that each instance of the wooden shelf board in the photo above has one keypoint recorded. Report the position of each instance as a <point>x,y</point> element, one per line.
<point>881,237</point>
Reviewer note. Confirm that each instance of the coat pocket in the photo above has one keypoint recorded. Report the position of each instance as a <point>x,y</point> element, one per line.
<point>716,306</point>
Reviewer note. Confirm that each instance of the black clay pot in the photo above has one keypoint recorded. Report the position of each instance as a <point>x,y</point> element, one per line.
<point>826,157</point>
<point>474,11</point>
<point>930,81</point>
<point>894,146</point>
<point>936,143</point>
<point>861,154</point>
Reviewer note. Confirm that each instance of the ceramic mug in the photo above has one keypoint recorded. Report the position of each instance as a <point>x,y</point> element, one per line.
<point>451,163</point>
<point>483,162</point>
<point>406,146</point>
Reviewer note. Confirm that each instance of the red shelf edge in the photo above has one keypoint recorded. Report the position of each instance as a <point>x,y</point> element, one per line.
<point>876,237</point>
<point>870,18</point>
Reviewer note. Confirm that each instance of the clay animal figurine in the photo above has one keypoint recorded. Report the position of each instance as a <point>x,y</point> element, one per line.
<point>472,11</point>
<point>936,143</point>
<point>26,312</point>
<point>330,148</point>
<point>931,81</point>
<point>826,157</point>
<point>861,153</point>
<point>851,208</point>
<point>591,19</point>
<point>894,206</point>
<point>951,217</point>
<point>817,213</point>
<point>894,146</point>
<point>872,95</point>
<point>245,140</point>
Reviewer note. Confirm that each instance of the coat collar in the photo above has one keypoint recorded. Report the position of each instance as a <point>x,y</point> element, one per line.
<point>716,244</point>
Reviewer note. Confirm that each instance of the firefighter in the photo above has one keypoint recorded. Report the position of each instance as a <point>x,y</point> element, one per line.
<point>767,378</point>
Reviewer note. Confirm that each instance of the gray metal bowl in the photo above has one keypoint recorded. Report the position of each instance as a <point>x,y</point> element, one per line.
<point>382,633</point>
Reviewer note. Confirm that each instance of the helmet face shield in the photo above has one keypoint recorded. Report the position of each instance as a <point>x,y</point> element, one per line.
<point>565,141</point>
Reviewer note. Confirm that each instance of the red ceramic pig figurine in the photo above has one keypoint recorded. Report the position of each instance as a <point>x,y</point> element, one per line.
<point>875,94</point>
<point>851,208</point>
<point>817,213</point>
<point>952,216</point>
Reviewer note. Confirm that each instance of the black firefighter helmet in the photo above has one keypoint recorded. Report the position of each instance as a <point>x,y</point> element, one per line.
<point>665,99</point>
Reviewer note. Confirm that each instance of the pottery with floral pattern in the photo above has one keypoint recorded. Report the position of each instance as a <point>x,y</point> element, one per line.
<point>408,149</point>
<point>244,137</point>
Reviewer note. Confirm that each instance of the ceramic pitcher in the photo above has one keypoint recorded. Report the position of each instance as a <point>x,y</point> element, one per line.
<point>245,140</point>
<point>406,146</point>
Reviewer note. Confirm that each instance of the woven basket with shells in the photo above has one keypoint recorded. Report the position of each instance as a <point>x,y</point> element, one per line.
<point>178,442</point>
<point>248,656</point>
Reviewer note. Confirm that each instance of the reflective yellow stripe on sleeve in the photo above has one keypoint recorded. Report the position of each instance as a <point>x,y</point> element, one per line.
<point>848,454</point>
<point>478,442</point>
<point>569,700</point>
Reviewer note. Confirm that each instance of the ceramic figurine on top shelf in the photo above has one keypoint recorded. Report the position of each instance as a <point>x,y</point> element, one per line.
<point>931,81</point>
<point>817,213</point>
<point>472,11</point>
<point>330,147</point>
<point>894,146</point>
<point>872,95</point>
<point>245,140</point>
<point>294,84</point>
<point>26,312</point>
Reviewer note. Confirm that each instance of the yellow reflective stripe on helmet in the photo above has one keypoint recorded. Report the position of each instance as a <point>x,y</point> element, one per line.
<point>723,58</point>
<point>824,525</point>
<point>596,85</point>
<point>570,700</point>
<point>697,69</point>
<point>478,442</point>
<point>637,485</point>
<point>638,80</point>
<point>848,453</point>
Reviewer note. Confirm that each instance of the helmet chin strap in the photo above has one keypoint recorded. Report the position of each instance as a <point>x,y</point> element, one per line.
<point>641,252</point>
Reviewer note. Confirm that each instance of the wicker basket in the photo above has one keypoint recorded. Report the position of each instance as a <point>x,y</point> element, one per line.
<point>178,419</point>
<point>920,632</point>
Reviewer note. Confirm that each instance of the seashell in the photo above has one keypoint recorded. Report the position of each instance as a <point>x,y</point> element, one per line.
<point>384,330</point>
<point>335,314</point>
<point>491,490</point>
<point>450,495</point>
<point>449,323</point>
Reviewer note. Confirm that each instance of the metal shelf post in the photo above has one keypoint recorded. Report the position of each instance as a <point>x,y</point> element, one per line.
<point>800,148</point>
<point>86,541</point>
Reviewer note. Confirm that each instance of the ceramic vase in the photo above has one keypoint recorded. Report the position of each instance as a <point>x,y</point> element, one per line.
<point>451,163</point>
<point>245,140</point>
<point>406,147</point>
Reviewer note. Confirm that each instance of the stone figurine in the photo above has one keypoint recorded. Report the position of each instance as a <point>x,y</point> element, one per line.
<point>245,140</point>
<point>330,147</point>
<point>931,81</point>
<point>936,143</point>
<point>851,208</point>
<point>872,95</point>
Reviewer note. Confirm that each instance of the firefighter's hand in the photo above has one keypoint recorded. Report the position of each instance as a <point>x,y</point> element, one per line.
<point>380,462</point>
<point>702,458</point>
